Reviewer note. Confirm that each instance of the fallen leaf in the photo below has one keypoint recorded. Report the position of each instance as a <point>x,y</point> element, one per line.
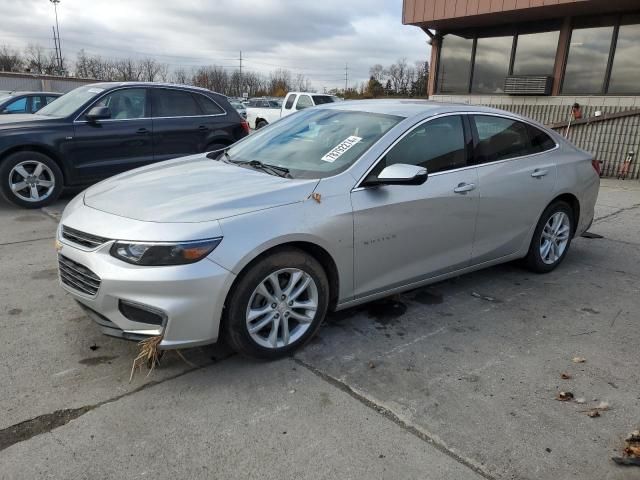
<point>593,413</point>
<point>632,451</point>
<point>565,376</point>
<point>564,396</point>
<point>633,436</point>
<point>579,360</point>
<point>372,365</point>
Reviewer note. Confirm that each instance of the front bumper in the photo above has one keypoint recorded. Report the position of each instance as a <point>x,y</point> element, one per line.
<point>188,299</point>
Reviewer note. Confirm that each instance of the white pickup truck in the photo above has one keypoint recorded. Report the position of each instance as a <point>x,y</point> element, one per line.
<point>263,111</point>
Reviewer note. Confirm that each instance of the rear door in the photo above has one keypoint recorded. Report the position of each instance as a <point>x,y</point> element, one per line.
<point>405,233</point>
<point>122,142</point>
<point>516,177</point>
<point>182,122</point>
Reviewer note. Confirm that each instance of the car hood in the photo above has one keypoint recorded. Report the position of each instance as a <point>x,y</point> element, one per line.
<point>25,120</point>
<point>193,189</point>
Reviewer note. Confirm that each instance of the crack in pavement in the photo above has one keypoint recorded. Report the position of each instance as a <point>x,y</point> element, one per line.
<point>390,415</point>
<point>47,422</point>
<point>27,241</point>
<point>613,214</point>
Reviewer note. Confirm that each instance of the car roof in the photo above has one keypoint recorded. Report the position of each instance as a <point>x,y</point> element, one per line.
<point>411,108</point>
<point>109,85</point>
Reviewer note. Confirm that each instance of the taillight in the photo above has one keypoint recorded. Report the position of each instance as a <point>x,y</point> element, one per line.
<point>596,166</point>
<point>245,126</point>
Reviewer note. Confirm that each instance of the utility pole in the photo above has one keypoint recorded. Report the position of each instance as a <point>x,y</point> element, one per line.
<point>56,33</point>
<point>346,78</point>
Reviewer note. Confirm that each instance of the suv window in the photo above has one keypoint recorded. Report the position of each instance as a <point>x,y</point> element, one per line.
<point>17,106</point>
<point>174,103</point>
<point>208,106</point>
<point>438,145</point>
<point>304,101</point>
<point>321,99</point>
<point>290,99</point>
<point>36,103</point>
<point>501,138</point>
<point>125,104</point>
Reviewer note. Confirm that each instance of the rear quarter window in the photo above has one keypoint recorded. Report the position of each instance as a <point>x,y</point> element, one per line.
<point>208,106</point>
<point>540,141</point>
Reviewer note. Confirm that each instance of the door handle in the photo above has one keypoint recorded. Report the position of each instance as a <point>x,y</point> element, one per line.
<point>142,131</point>
<point>203,128</point>
<point>539,172</point>
<point>464,187</point>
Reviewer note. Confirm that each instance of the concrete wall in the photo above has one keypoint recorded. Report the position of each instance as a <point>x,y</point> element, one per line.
<point>43,83</point>
<point>609,140</point>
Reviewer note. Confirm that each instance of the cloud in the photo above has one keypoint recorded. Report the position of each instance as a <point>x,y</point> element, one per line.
<point>313,38</point>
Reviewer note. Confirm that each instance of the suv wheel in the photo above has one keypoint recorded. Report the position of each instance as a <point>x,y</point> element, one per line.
<point>277,305</point>
<point>551,239</point>
<point>261,124</point>
<point>30,179</point>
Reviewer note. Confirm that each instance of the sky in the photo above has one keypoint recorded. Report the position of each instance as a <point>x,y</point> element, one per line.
<point>315,38</point>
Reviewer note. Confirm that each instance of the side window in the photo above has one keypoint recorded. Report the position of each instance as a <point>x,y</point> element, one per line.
<point>174,103</point>
<point>36,103</point>
<point>500,138</point>
<point>125,104</point>
<point>438,145</point>
<point>208,106</point>
<point>17,106</point>
<point>304,101</point>
<point>540,141</point>
<point>289,103</point>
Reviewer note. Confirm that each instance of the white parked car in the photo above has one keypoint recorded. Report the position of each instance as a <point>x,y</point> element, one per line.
<point>262,112</point>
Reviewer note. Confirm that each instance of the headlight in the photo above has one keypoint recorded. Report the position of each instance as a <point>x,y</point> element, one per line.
<point>158,254</point>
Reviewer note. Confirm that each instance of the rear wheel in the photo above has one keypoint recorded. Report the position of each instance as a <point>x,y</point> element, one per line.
<point>277,305</point>
<point>551,239</point>
<point>261,124</point>
<point>30,179</point>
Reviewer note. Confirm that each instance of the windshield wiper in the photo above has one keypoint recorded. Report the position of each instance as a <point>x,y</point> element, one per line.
<point>273,169</point>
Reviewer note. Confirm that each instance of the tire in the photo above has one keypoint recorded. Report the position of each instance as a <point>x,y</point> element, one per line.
<point>215,146</point>
<point>48,183</point>
<point>548,245</point>
<point>268,312</point>
<point>261,124</point>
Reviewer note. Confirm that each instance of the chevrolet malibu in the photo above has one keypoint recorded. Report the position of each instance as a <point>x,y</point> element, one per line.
<point>326,209</point>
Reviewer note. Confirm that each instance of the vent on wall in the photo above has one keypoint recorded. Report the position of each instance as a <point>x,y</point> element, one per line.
<point>528,85</point>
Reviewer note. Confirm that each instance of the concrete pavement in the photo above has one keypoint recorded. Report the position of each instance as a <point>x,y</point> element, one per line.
<point>456,380</point>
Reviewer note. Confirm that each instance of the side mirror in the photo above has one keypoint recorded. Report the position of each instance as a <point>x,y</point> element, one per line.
<point>98,113</point>
<point>400,174</point>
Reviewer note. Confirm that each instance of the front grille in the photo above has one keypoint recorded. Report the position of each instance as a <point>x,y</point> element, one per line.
<point>77,276</point>
<point>81,238</point>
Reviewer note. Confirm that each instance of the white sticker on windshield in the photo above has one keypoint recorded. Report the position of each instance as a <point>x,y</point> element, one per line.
<point>340,149</point>
<point>96,90</point>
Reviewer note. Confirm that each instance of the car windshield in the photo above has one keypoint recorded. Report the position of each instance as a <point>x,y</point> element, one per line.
<point>70,102</point>
<point>314,143</point>
<point>275,104</point>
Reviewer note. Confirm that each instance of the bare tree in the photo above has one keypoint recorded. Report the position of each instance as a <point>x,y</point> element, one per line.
<point>377,72</point>
<point>280,82</point>
<point>127,70</point>
<point>150,70</point>
<point>10,59</point>
<point>181,76</point>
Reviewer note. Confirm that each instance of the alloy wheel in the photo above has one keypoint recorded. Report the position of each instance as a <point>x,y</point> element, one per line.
<point>31,181</point>
<point>282,308</point>
<point>555,237</point>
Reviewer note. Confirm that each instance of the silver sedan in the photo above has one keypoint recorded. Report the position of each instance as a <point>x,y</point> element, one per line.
<point>323,210</point>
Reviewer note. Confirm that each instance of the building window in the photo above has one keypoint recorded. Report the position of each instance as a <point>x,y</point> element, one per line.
<point>587,61</point>
<point>536,53</point>
<point>491,64</point>
<point>455,64</point>
<point>626,62</point>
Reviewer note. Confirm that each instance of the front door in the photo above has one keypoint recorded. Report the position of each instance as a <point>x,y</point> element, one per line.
<point>122,142</point>
<point>404,234</point>
<point>516,179</point>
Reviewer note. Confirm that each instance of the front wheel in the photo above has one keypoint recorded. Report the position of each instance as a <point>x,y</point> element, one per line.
<point>261,124</point>
<point>551,239</point>
<point>277,305</point>
<point>30,179</point>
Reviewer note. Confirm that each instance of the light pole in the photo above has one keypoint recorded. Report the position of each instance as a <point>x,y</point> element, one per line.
<point>59,45</point>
